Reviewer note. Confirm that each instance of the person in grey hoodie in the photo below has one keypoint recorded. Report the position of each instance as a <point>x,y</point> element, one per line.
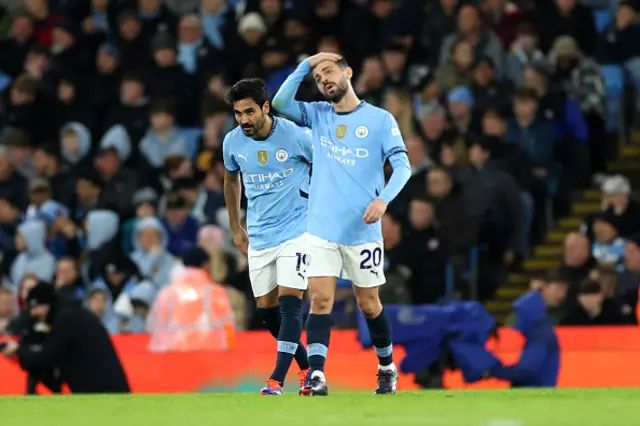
<point>150,254</point>
<point>75,144</point>
<point>34,256</point>
<point>162,139</point>
<point>101,233</point>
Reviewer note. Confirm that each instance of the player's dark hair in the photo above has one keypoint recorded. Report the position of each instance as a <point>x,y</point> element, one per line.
<point>342,63</point>
<point>248,88</point>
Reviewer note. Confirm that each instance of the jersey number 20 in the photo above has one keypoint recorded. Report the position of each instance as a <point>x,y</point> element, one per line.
<point>370,257</point>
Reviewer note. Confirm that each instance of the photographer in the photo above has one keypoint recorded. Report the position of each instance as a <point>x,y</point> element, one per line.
<point>75,336</point>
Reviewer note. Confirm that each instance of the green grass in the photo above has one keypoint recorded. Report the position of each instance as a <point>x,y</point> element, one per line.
<point>606,407</point>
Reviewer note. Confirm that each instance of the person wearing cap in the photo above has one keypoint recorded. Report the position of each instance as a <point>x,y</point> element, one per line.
<point>247,54</point>
<point>182,228</point>
<point>69,324</point>
<point>583,81</point>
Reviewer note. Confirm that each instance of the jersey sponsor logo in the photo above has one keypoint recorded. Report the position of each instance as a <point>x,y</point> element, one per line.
<point>263,157</point>
<point>266,181</point>
<point>395,132</point>
<point>341,131</point>
<point>282,155</point>
<point>362,132</point>
<point>342,154</point>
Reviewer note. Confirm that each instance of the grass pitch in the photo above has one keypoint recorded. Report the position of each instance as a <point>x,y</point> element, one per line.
<point>598,407</point>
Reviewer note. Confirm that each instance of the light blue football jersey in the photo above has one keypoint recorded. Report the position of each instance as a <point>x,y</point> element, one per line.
<point>275,175</point>
<point>350,150</point>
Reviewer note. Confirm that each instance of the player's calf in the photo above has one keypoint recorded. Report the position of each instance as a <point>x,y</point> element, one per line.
<point>380,331</point>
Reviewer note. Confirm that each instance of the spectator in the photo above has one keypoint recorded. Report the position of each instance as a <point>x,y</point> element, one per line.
<point>503,17</point>
<point>150,254</point>
<point>107,81</point>
<point>20,144</point>
<point>426,253</point>
<point>523,53</point>
<point>14,49</point>
<point>101,231</point>
<point>617,44</point>
<point>434,130</point>
<point>10,181</point>
<point>577,259</point>
<point>44,20</point>
<point>554,292</point>
<point>181,227</point>
<point>437,21</point>
<point>68,48</point>
<point>457,70</point>
<point>132,111</point>
<point>142,297</point>
<point>452,212</point>
<point>156,17</point>
<point>593,308</point>
<point>145,201</point>
<point>534,134</point>
<point>34,256</point>
<point>118,183</point>
<point>88,191</point>
<point>8,308</point>
<point>252,29</point>
<point>469,27</point>
<point>608,247</point>
<point>215,116</point>
<point>487,89</point>
<point>20,105</point>
<point>195,53</point>
<point>394,58</point>
<point>562,18</point>
<point>370,84</point>
<point>398,103</point>
<point>132,43</point>
<point>218,21</point>
<point>395,271</point>
<point>162,139</point>
<point>68,281</point>
<point>75,144</point>
<point>582,80</point>
<point>9,221</point>
<point>97,303</point>
<point>47,165</point>
<point>463,121</point>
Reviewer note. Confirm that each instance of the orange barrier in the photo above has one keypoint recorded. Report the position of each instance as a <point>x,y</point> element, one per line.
<point>591,357</point>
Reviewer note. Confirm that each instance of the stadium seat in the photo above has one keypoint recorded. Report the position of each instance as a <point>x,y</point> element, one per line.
<point>191,134</point>
<point>603,18</point>
<point>614,84</point>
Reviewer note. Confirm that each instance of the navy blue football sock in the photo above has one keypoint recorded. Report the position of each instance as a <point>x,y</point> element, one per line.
<point>380,332</point>
<point>318,335</point>
<point>289,336</point>
<point>272,318</point>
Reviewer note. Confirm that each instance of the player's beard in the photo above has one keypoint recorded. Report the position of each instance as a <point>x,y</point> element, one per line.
<point>341,90</point>
<point>253,129</point>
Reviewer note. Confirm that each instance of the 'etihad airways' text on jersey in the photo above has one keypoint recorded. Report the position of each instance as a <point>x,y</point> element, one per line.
<point>350,150</point>
<point>275,175</point>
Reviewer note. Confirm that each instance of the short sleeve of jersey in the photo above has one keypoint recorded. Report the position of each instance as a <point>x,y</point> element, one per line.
<point>229,161</point>
<point>392,142</point>
<point>305,144</point>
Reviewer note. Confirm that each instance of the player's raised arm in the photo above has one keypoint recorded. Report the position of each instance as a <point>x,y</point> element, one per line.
<point>285,100</point>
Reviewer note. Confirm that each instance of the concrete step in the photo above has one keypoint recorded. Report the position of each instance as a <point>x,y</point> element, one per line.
<point>591,195</point>
<point>510,293</point>
<point>630,151</point>
<point>556,236</point>
<point>570,223</point>
<point>585,208</point>
<point>519,280</point>
<point>499,307</point>
<point>540,265</point>
<point>547,250</point>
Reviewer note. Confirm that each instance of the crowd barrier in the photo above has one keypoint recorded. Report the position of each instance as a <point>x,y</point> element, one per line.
<point>591,357</point>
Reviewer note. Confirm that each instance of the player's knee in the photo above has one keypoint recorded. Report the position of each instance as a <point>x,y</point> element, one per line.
<point>369,304</point>
<point>321,302</point>
<point>267,301</point>
<point>288,291</point>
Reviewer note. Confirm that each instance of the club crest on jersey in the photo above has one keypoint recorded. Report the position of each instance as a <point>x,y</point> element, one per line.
<point>282,155</point>
<point>362,132</point>
<point>341,131</point>
<point>263,157</point>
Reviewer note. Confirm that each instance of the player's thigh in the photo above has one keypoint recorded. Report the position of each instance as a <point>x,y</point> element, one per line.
<point>324,266</point>
<point>263,271</point>
<point>291,265</point>
<point>363,264</point>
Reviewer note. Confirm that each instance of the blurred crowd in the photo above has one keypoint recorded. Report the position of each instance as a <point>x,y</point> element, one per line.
<point>112,116</point>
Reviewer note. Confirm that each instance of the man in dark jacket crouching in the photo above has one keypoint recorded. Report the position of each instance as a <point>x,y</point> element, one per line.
<point>77,344</point>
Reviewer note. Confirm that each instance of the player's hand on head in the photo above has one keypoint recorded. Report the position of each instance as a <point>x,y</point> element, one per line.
<point>323,56</point>
<point>241,240</point>
<point>375,211</point>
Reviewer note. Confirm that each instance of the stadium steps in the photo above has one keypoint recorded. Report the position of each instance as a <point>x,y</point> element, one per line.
<point>548,255</point>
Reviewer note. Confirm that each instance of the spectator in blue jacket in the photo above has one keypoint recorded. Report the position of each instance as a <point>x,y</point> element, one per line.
<point>534,134</point>
<point>539,363</point>
<point>182,228</point>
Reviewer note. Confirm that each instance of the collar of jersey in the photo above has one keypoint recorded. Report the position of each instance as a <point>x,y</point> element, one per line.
<point>273,129</point>
<point>360,105</point>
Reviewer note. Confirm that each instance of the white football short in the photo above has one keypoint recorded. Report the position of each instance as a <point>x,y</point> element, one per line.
<point>284,265</point>
<point>361,264</point>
